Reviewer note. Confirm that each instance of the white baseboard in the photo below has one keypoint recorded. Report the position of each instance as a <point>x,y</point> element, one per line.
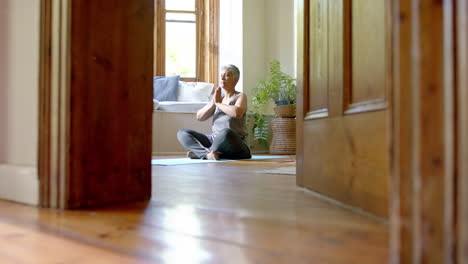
<point>19,184</point>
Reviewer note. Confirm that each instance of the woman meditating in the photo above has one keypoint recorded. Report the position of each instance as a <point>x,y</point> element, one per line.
<point>227,140</point>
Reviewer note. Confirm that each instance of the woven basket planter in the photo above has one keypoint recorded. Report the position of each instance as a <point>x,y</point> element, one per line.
<point>288,110</point>
<point>284,136</point>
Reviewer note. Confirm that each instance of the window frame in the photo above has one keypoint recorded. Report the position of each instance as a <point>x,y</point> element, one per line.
<point>207,47</point>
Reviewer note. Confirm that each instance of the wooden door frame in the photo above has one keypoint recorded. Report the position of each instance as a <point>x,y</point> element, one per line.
<point>302,81</point>
<point>462,130</point>
<point>424,176</point>
<point>429,114</point>
<point>58,186</point>
<point>54,101</point>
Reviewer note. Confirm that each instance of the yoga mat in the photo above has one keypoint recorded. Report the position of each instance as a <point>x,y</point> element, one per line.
<point>187,161</point>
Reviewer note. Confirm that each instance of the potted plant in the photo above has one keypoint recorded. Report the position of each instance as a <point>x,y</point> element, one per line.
<point>280,88</point>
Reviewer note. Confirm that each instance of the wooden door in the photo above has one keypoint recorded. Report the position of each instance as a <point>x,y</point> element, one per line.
<point>96,102</point>
<point>343,105</point>
<point>111,108</point>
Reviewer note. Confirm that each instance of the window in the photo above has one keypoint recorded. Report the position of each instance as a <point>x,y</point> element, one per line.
<point>186,39</point>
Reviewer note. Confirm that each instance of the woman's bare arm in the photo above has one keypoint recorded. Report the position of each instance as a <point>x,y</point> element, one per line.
<point>206,112</point>
<point>237,110</point>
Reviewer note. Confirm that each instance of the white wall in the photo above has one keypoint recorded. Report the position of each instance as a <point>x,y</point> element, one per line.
<point>280,34</point>
<point>255,65</point>
<point>252,33</point>
<point>231,36</point>
<point>19,71</point>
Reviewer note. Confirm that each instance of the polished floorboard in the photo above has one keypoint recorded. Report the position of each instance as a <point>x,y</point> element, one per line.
<point>228,212</point>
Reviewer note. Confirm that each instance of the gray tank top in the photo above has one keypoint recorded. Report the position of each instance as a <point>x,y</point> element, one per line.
<point>222,120</point>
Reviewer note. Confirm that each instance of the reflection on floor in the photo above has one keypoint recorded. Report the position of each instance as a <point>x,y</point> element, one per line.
<point>231,212</point>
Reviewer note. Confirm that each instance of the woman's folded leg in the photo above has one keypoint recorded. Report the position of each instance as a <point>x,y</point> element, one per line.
<point>230,145</point>
<point>197,143</point>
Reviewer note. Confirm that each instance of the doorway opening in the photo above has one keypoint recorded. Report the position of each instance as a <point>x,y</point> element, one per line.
<point>225,41</point>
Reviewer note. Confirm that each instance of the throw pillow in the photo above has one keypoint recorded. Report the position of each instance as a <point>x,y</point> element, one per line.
<point>194,91</point>
<point>165,88</point>
<point>155,104</point>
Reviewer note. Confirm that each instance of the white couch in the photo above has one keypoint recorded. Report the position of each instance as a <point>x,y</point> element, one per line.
<point>170,116</point>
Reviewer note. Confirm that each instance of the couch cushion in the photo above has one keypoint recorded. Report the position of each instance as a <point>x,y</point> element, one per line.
<point>194,91</point>
<point>165,88</point>
<point>180,107</point>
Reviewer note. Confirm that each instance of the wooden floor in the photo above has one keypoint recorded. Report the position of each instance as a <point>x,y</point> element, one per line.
<point>227,212</point>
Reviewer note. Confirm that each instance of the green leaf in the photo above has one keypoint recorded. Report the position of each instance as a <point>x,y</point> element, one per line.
<point>279,86</point>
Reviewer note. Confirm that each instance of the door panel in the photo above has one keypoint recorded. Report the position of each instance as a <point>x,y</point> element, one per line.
<point>346,154</point>
<point>368,51</point>
<point>343,161</point>
<point>111,101</point>
<point>319,45</point>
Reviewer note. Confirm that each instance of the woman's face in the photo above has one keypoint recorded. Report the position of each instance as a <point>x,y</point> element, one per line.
<point>227,80</point>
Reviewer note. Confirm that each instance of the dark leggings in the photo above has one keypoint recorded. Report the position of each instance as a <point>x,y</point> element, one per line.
<point>227,143</point>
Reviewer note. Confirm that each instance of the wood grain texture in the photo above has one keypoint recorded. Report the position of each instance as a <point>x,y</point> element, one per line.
<point>111,106</point>
<point>369,29</point>
<point>302,82</point>
<point>24,245</point>
<point>44,103</point>
<point>347,156</point>
<point>401,184</point>
<point>424,172</point>
<point>54,103</point>
<point>462,129</point>
<point>350,161</point>
<point>339,69</point>
<point>433,168</point>
<point>210,41</point>
<point>159,38</point>
<point>155,38</point>
<point>199,215</point>
<point>319,22</point>
<point>213,48</point>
